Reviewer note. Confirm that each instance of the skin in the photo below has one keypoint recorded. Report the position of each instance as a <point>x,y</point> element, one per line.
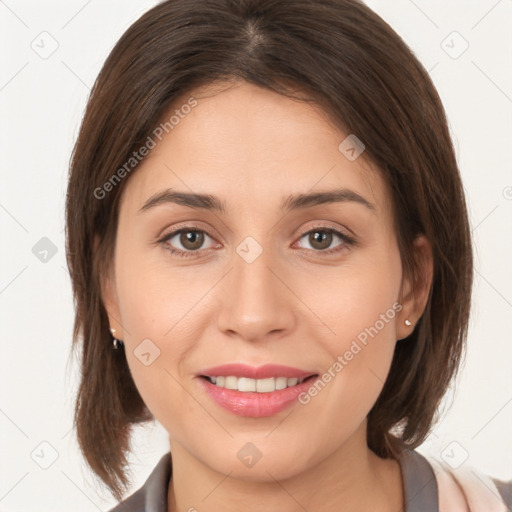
<point>293,305</point>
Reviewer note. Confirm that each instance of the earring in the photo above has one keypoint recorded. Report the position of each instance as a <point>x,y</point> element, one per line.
<point>117,343</point>
<point>408,322</point>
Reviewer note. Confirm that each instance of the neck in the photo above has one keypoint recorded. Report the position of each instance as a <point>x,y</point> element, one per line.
<point>351,479</point>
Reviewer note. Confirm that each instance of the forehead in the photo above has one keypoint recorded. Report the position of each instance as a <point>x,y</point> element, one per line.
<point>246,145</point>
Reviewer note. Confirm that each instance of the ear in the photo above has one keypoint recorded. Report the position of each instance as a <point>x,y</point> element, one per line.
<point>414,292</point>
<point>110,299</point>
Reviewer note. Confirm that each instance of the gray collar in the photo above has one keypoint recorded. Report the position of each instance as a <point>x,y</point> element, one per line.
<point>420,486</point>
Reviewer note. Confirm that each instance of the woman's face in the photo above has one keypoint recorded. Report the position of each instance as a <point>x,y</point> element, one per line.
<point>267,280</point>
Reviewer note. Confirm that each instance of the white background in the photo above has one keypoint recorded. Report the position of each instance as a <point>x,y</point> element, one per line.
<point>42,101</point>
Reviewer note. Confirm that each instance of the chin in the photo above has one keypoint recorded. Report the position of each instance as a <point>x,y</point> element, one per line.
<point>263,464</point>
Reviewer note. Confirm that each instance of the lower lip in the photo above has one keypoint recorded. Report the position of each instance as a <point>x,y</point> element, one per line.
<point>252,404</point>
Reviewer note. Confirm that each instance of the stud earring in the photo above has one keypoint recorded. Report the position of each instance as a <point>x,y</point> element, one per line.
<point>407,322</point>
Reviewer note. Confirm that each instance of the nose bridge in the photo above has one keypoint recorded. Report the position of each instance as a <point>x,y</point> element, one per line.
<point>256,301</point>
<point>252,275</point>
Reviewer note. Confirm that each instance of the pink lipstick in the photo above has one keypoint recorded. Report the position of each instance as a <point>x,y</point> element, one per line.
<point>255,391</point>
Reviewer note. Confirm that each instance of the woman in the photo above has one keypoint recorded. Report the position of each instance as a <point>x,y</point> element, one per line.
<point>270,254</point>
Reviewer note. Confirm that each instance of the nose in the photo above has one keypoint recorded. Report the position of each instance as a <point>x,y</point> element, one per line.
<point>255,302</point>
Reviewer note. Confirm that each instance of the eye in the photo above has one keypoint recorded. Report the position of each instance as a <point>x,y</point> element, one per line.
<point>321,238</point>
<point>190,239</point>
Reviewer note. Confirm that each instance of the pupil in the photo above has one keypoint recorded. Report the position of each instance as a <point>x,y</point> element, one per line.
<point>323,235</point>
<point>193,237</point>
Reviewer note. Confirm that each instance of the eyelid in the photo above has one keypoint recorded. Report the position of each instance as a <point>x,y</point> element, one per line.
<point>191,225</point>
<point>186,226</point>
<point>348,233</point>
<point>348,241</point>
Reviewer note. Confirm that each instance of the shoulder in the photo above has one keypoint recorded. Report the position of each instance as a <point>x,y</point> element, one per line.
<point>466,488</point>
<point>152,496</point>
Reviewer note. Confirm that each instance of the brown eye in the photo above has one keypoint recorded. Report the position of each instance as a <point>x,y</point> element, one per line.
<point>320,239</point>
<point>191,240</point>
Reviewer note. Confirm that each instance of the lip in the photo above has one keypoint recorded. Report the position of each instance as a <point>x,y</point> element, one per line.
<point>260,372</point>
<point>252,404</point>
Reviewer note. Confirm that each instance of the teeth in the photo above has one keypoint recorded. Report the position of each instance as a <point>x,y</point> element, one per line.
<point>281,382</point>
<point>244,384</point>
<point>258,385</point>
<point>231,382</point>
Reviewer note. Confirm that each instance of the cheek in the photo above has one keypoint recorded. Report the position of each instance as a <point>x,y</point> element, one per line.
<point>359,308</point>
<point>155,307</point>
<point>359,302</point>
<point>156,299</point>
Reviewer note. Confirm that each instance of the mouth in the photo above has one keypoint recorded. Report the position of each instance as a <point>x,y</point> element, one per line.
<point>246,384</point>
<point>255,391</point>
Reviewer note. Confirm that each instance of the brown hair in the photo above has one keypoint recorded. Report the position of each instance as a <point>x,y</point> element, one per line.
<point>364,77</point>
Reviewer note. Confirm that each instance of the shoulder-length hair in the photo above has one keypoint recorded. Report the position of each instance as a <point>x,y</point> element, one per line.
<point>342,57</point>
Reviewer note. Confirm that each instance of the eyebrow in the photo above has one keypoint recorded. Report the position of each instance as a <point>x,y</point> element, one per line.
<point>292,202</point>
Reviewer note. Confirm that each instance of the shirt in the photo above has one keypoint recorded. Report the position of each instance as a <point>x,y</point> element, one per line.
<point>419,484</point>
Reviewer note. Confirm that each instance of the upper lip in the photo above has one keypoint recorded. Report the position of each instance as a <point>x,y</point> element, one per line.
<point>252,372</point>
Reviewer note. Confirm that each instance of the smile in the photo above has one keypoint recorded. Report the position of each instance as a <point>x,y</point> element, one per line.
<point>246,384</point>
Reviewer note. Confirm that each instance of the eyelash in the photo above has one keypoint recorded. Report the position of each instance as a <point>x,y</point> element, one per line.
<point>347,241</point>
